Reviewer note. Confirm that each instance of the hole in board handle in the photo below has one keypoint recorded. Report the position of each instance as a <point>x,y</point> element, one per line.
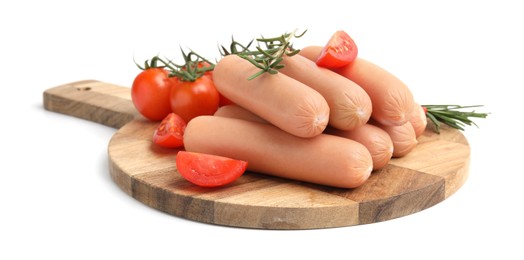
<point>83,88</point>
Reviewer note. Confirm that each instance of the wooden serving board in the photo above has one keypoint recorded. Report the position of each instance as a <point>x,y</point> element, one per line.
<point>433,171</point>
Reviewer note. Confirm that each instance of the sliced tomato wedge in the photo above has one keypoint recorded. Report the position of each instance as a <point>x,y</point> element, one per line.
<point>338,52</point>
<point>209,170</point>
<point>170,132</point>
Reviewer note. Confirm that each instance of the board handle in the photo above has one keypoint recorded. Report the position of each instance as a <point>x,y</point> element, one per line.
<point>96,101</point>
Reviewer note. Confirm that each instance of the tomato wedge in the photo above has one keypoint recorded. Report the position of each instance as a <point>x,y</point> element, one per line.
<point>170,132</point>
<point>338,52</point>
<point>209,170</point>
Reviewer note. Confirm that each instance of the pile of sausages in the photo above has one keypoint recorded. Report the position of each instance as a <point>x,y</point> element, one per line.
<point>308,123</point>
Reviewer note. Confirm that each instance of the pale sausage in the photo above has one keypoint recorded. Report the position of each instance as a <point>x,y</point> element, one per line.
<point>350,106</point>
<point>283,101</point>
<point>235,111</point>
<point>403,137</point>
<point>375,139</point>
<point>325,159</point>
<point>418,119</point>
<point>392,100</point>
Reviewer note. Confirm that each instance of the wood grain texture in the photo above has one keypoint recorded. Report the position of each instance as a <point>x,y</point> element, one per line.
<point>103,103</point>
<point>433,171</point>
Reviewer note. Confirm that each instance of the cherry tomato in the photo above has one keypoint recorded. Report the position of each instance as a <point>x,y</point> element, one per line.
<point>208,170</point>
<point>150,93</point>
<point>204,64</point>
<point>222,100</point>
<point>190,99</point>
<point>338,52</point>
<point>170,132</point>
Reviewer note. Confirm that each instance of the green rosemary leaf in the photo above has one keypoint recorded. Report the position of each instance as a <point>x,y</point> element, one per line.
<point>280,38</point>
<point>300,35</point>
<point>292,52</point>
<point>267,55</point>
<point>256,74</point>
<point>448,121</point>
<point>272,71</point>
<point>452,115</point>
<point>276,63</point>
<point>436,123</point>
<point>254,62</point>
<point>278,66</point>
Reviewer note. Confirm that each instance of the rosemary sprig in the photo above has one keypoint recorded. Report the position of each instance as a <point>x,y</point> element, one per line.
<point>452,115</point>
<point>269,53</point>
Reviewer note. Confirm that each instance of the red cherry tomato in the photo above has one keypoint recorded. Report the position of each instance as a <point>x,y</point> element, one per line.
<point>205,64</point>
<point>150,93</point>
<point>338,52</point>
<point>190,99</point>
<point>425,109</point>
<point>208,170</point>
<point>170,132</point>
<point>222,100</point>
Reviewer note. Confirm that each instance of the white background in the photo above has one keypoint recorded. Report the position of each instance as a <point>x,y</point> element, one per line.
<point>58,202</point>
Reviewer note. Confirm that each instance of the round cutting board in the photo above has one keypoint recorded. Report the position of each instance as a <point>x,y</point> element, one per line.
<point>433,171</point>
